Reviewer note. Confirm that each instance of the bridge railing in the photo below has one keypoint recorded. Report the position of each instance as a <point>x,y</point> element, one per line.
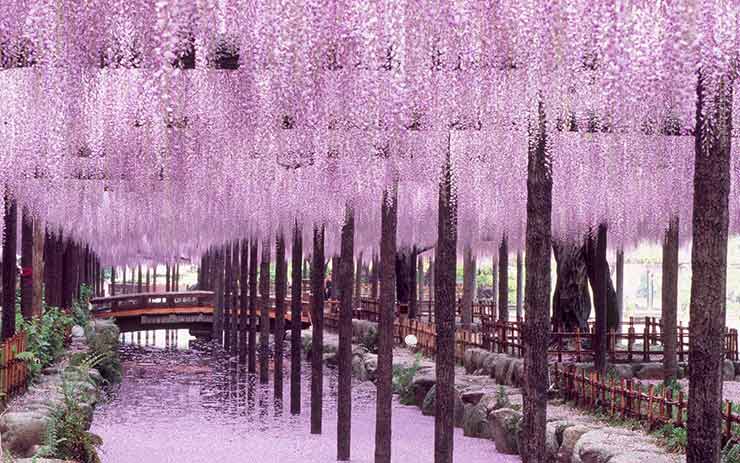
<point>153,300</point>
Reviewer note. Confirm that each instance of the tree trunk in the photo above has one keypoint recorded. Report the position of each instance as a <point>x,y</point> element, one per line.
<point>26,264</point>
<point>413,295</point>
<point>503,280</point>
<point>536,327</point>
<point>709,269</point>
<point>572,299</point>
<point>602,269</point>
<point>345,284</point>
<point>669,300</point>
<point>296,307</point>
<point>243,301</point>
<point>466,308</point>
<point>403,291</point>
<point>358,280</point>
<point>620,287</point>
<point>375,277</point>
<point>317,338</point>
<point>38,269</point>
<point>519,286</point>
<point>9,267</point>
<point>432,290</point>
<point>598,267</point>
<point>112,280</point>
<point>281,288</point>
<point>420,281</point>
<point>234,324</point>
<point>148,280</point>
<point>264,311</point>
<point>445,289</point>
<point>384,372</point>
<point>69,275</point>
<point>252,339</point>
<point>139,280</point>
<point>167,286</point>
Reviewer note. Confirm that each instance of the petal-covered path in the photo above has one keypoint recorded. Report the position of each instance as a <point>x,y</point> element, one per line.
<point>185,406</point>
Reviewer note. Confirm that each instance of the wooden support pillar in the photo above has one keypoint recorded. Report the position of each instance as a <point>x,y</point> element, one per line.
<point>317,339</point>
<point>38,269</point>
<point>243,300</point>
<point>139,281</point>
<point>669,300</point>
<point>345,285</point>
<point>296,308</point>
<point>264,305</point>
<point>26,264</point>
<point>358,280</point>
<point>113,280</point>
<point>252,339</point>
<point>234,296</point>
<point>503,280</point>
<point>69,274</point>
<point>445,287</point>
<point>148,279</point>
<point>228,282</point>
<point>281,288</point>
<point>218,284</point>
<point>167,286</point>
<point>9,267</point>
<point>602,279</point>
<point>519,286</point>
<point>466,309</point>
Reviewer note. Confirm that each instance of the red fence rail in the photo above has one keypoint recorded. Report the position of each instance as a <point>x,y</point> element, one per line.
<point>13,371</point>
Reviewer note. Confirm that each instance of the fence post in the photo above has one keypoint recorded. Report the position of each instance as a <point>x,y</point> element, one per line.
<point>646,340</point>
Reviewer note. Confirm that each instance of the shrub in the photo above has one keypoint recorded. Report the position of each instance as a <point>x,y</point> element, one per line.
<point>402,377</point>
<point>369,341</point>
<point>502,400</point>
<point>731,453</point>
<point>675,437</point>
<point>45,338</point>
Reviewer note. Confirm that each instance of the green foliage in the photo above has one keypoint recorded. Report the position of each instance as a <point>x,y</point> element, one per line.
<point>672,384</point>
<point>307,344</point>
<point>502,400</point>
<point>81,307</point>
<point>103,345</point>
<point>731,453</point>
<point>370,341</point>
<point>67,436</point>
<point>45,338</point>
<point>402,377</point>
<point>675,437</point>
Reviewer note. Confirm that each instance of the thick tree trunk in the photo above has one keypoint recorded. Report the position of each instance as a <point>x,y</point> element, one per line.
<point>598,267</point>
<point>384,373</point>
<point>26,264</point>
<point>252,339</point>
<point>709,269</point>
<point>445,286</point>
<point>403,274</point>
<point>572,299</point>
<point>519,286</point>
<point>317,338</point>
<point>503,280</point>
<point>358,280</point>
<point>669,300</point>
<point>264,312</point>
<point>536,328</point>
<point>296,307</point>
<point>345,284</point>
<point>466,308</point>
<point>620,286</point>
<point>9,267</point>
<point>281,288</point>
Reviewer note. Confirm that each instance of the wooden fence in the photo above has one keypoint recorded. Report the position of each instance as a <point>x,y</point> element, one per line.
<point>13,371</point>
<point>627,399</point>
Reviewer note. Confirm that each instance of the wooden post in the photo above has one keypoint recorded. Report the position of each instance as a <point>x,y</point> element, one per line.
<point>600,332</point>
<point>9,267</point>
<point>345,283</point>
<point>264,305</point>
<point>296,308</point>
<point>669,300</point>
<point>218,283</point>
<point>243,301</point>
<point>252,338</point>
<point>503,280</point>
<point>281,288</point>
<point>466,311</point>
<point>387,274</point>
<point>317,339</point>
<point>519,286</point>
<point>26,264</point>
<point>228,283</point>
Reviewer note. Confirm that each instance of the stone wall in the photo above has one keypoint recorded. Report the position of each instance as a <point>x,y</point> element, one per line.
<point>24,424</point>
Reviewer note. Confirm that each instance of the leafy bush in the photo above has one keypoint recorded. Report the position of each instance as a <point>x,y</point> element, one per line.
<point>675,437</point>
<point>45,338</point>
<point>103,342</point>
<point>502,400</point>
<point>81,307</point>
<point>731,453</point>
<point>402,377</point>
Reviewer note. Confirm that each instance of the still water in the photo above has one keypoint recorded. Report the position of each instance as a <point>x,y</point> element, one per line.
<point>185,401</point>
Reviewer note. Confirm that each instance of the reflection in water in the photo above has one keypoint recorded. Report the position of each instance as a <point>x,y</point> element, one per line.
<point>183,400</point>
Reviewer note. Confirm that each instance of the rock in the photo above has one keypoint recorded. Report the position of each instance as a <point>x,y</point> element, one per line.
<point>553,438</point>
<point>429,405</point>
<point>475,421</point>
<point>516,373</point>
<point>78,331</point>
<point>728,370</point>
<point>330,358</point>
<point>623,370</point>
<point>41,460</point>
<point>570,438</point>
<point>424,379</point>
<point>602,445</point>
<point>358,368</point>
<point>641,457</point>
<point>650,371</point>
<point>371,365</point>
<point>502,367</point>
<point>472,396</point>
<point>473,359</point>
<point>23,430</point>
<point>505,424</point>
<point>737,368</point>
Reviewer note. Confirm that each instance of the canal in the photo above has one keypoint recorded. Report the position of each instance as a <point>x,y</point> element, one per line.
<point>184,401</point>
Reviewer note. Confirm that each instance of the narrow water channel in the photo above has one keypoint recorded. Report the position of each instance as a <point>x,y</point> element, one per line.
<point>184,401</point>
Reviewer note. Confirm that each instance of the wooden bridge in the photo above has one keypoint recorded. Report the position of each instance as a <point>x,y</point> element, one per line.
<point>173,310</point>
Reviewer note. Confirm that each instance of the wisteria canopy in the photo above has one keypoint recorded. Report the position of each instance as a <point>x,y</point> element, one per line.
<point>291,110</point>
